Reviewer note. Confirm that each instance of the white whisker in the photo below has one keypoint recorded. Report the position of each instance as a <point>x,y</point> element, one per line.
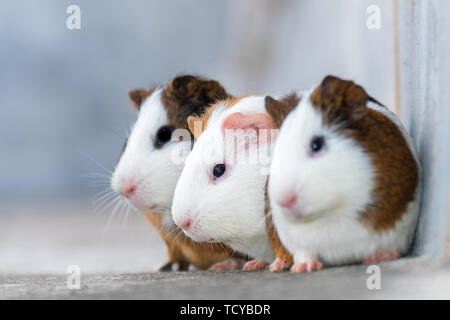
<point>117,204</point>
<point>109,205</point>
<point>95,161</point>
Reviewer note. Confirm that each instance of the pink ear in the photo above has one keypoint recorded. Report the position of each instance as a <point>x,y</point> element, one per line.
<point>254,121</point>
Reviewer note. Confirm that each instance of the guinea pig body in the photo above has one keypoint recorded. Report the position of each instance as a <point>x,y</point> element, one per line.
<point>147,171</point>
<point>220,199</point>
<point>345,180</point>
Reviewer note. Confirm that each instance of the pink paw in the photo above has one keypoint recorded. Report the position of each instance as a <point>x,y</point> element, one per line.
<point>229,264</point>
<point>279,265</point>
<point>307,266</point>
<point>257,264</point>
<point>381,256</point>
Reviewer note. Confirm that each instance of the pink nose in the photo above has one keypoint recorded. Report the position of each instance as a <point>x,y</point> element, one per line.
<point>289,201</point>
<point>129,190</point>
<point>186,224</point>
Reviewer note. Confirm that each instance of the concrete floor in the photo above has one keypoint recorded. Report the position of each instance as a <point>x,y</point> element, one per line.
<point>118,261</point>
<point>403,279</point>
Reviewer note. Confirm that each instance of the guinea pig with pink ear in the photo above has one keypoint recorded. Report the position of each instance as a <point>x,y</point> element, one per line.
<point>220,195</point>
<point>149,166</point>
<point>345,179</point>
<point>147,171</point>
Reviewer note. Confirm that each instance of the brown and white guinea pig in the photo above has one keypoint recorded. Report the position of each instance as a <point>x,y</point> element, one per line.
<point>147,172</point>
<point>345,179</point>
<point>220,193</point>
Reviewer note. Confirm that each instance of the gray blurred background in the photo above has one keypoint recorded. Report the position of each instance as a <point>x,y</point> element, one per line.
<point>64,109</point>
<point>64,92</point>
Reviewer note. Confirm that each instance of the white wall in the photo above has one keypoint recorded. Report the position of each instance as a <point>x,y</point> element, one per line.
<point>424,53</point>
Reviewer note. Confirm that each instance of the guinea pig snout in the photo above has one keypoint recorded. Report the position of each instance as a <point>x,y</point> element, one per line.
<point>186,224</point>
<point>189,224</point>
<point>288,201</point>
<point>185,221</point>
<point>129,190</point>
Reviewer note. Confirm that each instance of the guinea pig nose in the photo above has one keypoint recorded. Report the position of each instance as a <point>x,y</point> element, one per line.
<point>186,224</point>
<point>129,190</point>
<point>289,201</point>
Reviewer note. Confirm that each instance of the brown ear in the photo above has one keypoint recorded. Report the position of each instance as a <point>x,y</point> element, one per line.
<point>138,96</point>
<point>340,100</point>
<point>279,109</point>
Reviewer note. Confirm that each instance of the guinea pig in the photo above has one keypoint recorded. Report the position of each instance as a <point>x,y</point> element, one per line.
<point>220,193</point>
<point>146,173</point>
<point>345,179</point>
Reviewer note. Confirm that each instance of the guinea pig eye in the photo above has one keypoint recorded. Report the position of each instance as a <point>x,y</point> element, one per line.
<point>219,170</point>
<point>163,135</point>
<point>317,144</point>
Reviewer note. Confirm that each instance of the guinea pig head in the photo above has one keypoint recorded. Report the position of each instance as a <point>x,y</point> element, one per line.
<point>220,193</point>
<point>317,167</point>
<point>153,156</point>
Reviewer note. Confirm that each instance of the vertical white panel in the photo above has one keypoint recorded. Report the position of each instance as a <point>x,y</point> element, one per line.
<point>424,78</point>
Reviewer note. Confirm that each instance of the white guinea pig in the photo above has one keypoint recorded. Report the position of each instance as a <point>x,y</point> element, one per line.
<point>218,198</point>
<point>147,172</point>
<point>345,179</point>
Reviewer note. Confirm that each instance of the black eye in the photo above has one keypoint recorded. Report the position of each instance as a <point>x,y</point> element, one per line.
<point>219,170</point>
<point>317,144</point>
<point>163,135</point>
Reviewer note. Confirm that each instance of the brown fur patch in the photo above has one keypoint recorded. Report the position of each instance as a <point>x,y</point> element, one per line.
<point>343,104</point>
<point>397,173</point>
<point>279,109</point>
<point>190,95</point>
<point>280,251</point>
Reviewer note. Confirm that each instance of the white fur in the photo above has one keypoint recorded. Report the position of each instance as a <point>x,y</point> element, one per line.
<point>332,188</point>
<point>150,168</point>
<point>230,209</point>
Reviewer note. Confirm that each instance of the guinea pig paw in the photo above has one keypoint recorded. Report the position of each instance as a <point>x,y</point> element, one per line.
<point>257,264</point>
<point>280,265</point>
<point>381,256</point>
<point>166,268</point>
<point>183,266</point>
<point>228,264</point>
<point>307,266</point>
